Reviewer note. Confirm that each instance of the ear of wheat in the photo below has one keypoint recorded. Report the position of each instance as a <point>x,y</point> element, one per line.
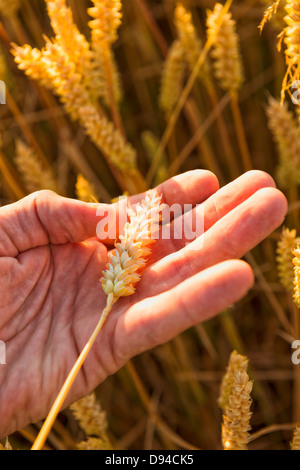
<point>67,35</point>
<point>172,78</point>
<point>107,17</point>
<point>189,39</point>
<point>236,418</point>
<point>237,362</point>
<point>7,445</point>
<point>286,133</point>
<point>119,280</point>
<point>69,67</point>
<point>285,247</point>
<point>92,420</point>
<point>295,444</point>
<point>226,49</point>
<point>85,190</point>
<point>272,7</point>
<point>33,173</point>
<point>291,39</point>
<point>296,261</point>
<point>130,255</point>
<point>55,71</point>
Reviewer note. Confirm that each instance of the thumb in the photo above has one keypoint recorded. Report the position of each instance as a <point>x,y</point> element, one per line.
<point>44,217</point>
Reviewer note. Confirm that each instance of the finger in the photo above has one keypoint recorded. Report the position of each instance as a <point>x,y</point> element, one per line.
<point>192,301</point>
<point>233,194</point>
<point>194,223</point>
<point>231,237</point>
<point>44,217</point>
<point>192,187</point>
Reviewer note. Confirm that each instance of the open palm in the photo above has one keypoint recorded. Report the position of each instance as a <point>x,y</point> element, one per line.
<point>51,298</point>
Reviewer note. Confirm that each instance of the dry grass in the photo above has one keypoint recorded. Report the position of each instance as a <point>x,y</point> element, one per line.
<point>82,110</point>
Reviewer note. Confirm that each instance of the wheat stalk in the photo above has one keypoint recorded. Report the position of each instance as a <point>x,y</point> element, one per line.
<point>151,144</point>
<point>119,280</point>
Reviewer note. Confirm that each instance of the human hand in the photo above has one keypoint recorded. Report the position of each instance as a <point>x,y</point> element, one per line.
<point>51,298</point>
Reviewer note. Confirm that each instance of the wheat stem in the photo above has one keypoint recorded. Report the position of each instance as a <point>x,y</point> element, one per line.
<point>222,128</point>
<point>240,132</point>
<point>111,95</point>
<point>46,428</point>
<point>11,177</point>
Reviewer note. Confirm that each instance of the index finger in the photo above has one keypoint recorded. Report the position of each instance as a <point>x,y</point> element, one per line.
<point>192,187</point>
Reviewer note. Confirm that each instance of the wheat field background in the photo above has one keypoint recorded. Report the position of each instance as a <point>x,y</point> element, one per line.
<point>158,102</point>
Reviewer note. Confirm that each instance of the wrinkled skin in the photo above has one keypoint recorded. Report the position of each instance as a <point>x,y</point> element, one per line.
<point>51,298</point>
